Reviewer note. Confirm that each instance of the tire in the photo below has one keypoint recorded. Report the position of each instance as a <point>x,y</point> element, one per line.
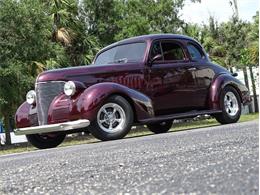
<point>114,119</point>
<point>162,127</point>
<point>230,105</point>
<point>45,141</point>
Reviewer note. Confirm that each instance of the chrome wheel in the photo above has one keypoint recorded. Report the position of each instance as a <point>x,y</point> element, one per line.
<point>111,118</point>
<point>231,103</point>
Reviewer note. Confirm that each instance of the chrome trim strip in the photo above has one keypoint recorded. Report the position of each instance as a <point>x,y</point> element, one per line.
<point>50,82</point>
<point>53,127</point>
<point>42,82</point>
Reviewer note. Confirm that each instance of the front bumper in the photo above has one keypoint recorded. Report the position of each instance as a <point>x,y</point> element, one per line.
<point>53,127</point>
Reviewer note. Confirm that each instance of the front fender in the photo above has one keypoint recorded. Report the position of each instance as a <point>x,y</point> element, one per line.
<point>219,83</point>
<point>26,116</point>
<point>93,97</point>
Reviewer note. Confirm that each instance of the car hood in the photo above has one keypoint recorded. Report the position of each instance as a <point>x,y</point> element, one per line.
<point>89,74</point>
<point>80,73</point>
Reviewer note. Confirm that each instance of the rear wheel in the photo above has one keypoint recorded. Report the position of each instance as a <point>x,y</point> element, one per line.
<point>114,119</point>
<point>44,141</point>
<point>162,127</point>
<point>231,106</point>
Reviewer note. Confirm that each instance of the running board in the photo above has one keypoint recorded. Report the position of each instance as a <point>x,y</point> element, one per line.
<point>179,116</point>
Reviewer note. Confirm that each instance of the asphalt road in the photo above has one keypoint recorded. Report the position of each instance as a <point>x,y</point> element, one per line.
<point>215,160</point>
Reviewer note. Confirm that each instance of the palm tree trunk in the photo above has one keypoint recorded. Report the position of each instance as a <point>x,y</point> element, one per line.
<point>7,130</point>
<point>246,77</point>
<point>254,88</point>
<point>247,85</point>
<point>236,8</point>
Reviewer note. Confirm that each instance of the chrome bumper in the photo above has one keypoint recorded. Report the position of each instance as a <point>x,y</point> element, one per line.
<point>53,127</point>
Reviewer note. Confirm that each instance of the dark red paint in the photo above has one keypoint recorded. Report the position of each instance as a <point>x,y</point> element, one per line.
<point>152,89</point>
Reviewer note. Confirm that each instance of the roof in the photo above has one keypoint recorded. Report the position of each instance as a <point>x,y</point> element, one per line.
<point>149,37</point>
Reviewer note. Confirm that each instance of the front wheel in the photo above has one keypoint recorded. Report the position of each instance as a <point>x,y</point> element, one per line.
<point>44,141</point>
<point>162,127</point>
<point>230,105</point>
<point>114,119</point>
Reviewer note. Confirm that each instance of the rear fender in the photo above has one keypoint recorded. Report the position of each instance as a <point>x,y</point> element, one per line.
<point>93,98</point>
<point>219,83</point>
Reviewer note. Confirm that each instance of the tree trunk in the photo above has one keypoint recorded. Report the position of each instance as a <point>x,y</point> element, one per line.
<point>247,85</point>
<point>231,69</point>
<point>254,88</point>
<point>7,130</point>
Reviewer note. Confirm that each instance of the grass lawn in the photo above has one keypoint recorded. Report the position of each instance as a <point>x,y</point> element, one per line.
<point>134,133</point>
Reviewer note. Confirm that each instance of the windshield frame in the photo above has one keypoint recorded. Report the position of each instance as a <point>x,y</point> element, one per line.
<point>118,45</point>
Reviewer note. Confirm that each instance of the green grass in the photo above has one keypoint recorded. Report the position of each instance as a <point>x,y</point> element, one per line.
<point>134,133</point>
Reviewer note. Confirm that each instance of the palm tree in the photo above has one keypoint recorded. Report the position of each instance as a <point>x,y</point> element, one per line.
<point>61,11</point>
<point>70,30</point>
<point>244,66</point>
<point>234,3</point>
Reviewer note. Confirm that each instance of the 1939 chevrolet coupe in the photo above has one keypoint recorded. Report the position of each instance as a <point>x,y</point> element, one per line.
<point>151,80</point>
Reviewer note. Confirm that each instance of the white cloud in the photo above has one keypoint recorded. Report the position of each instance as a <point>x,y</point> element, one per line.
<point>220,9</point>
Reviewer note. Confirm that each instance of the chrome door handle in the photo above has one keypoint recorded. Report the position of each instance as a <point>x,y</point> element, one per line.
<point>192,69</point>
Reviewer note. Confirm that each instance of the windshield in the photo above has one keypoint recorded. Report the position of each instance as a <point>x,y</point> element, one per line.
<point>133,52</point>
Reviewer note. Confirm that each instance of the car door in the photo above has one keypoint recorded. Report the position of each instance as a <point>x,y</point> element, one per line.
<point>172,79</point>
<point>204,73</point>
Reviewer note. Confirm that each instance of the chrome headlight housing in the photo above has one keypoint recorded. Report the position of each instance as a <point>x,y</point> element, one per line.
<point>69,88</point>
<point>31,97</point>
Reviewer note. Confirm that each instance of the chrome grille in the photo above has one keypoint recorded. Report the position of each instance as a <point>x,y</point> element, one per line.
<point>45,93</point>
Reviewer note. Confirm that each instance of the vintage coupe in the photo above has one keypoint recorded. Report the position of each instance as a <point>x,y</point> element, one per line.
<point>151,80</point>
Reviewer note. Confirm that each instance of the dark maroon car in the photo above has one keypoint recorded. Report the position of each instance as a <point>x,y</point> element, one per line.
<point>150,80</point>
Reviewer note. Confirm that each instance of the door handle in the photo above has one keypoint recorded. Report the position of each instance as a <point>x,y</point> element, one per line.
<point>192,69</point>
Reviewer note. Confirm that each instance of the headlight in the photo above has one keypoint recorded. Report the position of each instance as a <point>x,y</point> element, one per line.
<point>69,88</point>
<point>31,97</point>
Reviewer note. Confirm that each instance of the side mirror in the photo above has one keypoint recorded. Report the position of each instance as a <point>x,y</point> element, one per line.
<point>234,74</point>
<point>155,58</point>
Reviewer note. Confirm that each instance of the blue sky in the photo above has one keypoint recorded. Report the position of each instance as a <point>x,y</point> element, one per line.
<point>220,9</point>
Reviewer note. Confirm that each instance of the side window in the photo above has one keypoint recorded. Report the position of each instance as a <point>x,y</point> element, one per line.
<point>172,51</point>
<point>156,49</point>
<point>195,52</point>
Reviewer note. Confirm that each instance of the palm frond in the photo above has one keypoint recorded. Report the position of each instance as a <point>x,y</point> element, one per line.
<point>64,36</point>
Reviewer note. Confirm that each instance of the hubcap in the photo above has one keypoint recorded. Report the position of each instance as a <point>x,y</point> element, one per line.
<point>111,118</point>
<point>231,103</point>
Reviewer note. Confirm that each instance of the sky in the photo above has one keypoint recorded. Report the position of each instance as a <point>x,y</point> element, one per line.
<point>220,9</point>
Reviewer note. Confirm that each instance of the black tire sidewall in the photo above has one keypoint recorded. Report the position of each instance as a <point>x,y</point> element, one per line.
<point>38,142</point>
<point>159,128</point>
<point>225,117</point>
<point>97,132</point>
